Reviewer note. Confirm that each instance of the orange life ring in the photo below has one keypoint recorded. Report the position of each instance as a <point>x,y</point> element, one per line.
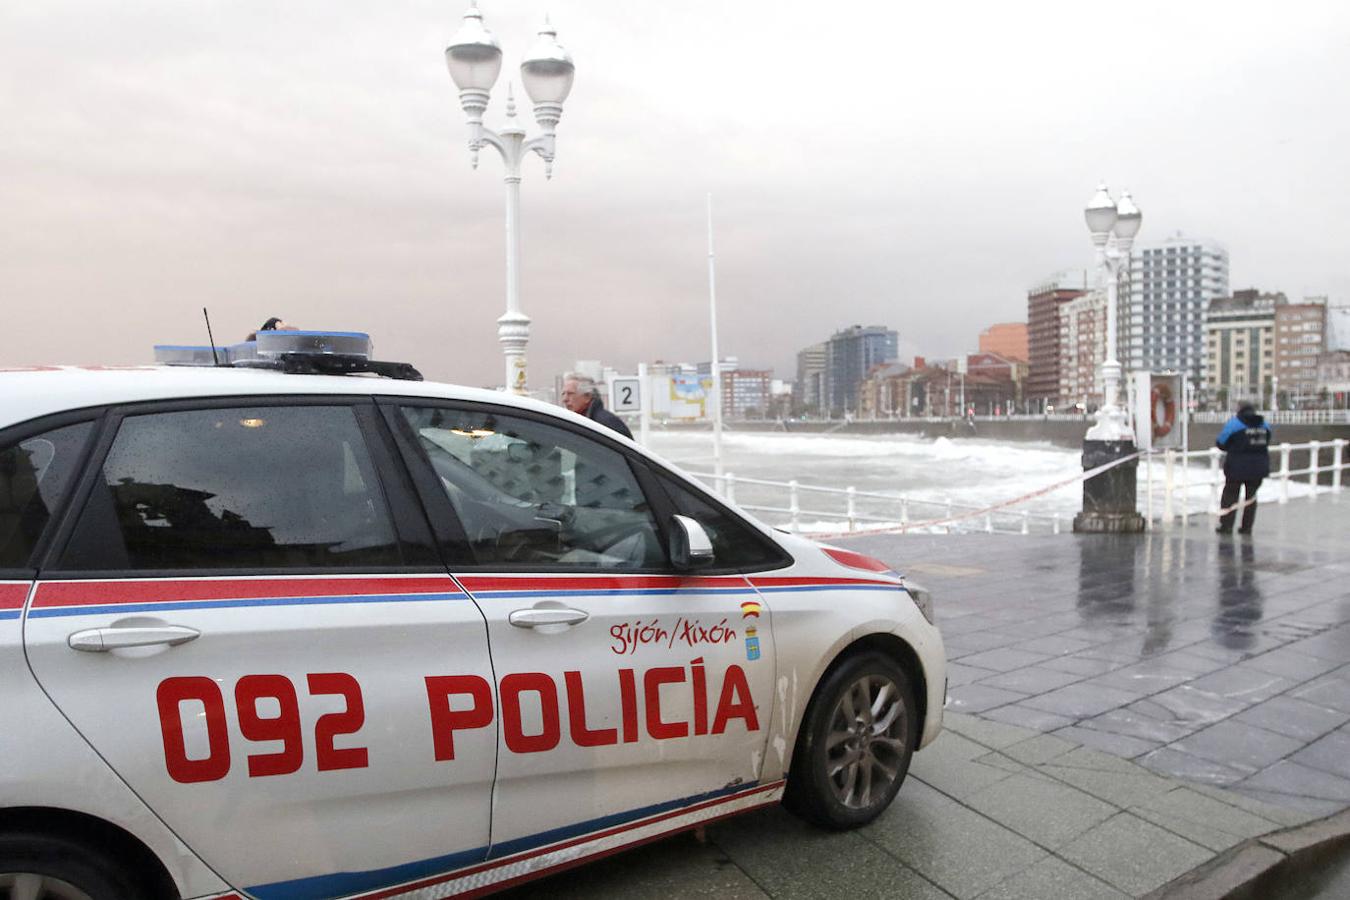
<point>1162,410</point>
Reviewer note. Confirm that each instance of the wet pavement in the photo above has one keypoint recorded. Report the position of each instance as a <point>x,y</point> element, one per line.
<point>1223,660</point>
<point>1123,711</point>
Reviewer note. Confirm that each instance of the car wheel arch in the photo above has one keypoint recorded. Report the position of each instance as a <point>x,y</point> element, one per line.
<point>98,834</point>
<point>888,644</point>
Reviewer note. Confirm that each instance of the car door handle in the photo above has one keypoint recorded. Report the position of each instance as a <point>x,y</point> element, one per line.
<point>100,640</point>
<point>534,618</point>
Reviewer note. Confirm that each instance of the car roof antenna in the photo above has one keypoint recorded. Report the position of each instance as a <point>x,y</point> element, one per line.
<point>214,358</point>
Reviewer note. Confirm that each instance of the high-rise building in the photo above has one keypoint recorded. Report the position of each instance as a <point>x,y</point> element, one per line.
<point>1338,327</point>
<point>849,355</point>
<point>1300,337</point>
<point>1043,331</point>
<point>1007,339</point>
<point>1082,348</point>
<point>1240,346</point>
<point>1161,325</point>
<point>809,390</point>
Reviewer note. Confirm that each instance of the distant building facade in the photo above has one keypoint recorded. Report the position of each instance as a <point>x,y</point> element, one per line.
<point>809,389</point>
<point>1333,378</point>
<point>1338,327</point>
<point>849,355</point>
<point>1007,339</point>
<point>746,393</point>
<point>1161,321</point>
<point>1300,338</point>
<point>1044,301</point>
<point>1082,347</point>
<point>1240,346</point>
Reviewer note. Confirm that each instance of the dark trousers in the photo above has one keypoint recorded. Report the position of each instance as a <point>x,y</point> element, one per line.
<point>1230,497</point>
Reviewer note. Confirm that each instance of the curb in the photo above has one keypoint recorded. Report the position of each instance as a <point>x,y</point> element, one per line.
<point>1253,869</point>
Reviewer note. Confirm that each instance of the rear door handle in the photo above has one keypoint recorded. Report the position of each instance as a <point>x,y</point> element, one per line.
<point>101,640</point>
<point>542,616</point>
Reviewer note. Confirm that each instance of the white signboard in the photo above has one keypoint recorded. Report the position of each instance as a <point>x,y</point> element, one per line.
<point>1160,412</point>
<point>625,395</point>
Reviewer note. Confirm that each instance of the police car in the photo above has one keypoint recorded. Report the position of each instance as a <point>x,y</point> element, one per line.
<point>297,624</point>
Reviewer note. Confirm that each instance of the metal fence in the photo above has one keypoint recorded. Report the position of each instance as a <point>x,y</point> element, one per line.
<point>1178,485</point>
<point>1174,485</point>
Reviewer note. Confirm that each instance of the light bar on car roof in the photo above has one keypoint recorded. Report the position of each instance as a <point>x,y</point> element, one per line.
<point>273,344</point>
<point>293,352</point>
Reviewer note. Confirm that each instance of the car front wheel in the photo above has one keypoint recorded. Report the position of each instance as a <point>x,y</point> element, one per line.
<point>855,745</point>
<point>42,867</point>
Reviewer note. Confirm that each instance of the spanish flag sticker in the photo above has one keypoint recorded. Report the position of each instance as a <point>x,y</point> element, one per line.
<point>750,609</point>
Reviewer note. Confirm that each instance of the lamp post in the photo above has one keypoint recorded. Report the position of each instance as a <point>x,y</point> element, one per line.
<point>1109,498</point>
<point>475,60</point>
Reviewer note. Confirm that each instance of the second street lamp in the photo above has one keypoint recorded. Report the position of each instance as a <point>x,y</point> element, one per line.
<point>1109,497</point>
<point>475,60</point>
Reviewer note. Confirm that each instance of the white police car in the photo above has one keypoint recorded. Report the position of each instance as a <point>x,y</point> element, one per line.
<point>282,635</point>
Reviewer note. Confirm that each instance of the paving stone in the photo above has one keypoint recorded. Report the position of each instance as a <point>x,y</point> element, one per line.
<point>975,642</point>
<point>1293,717</point>
<point>677,867</point>
<point>1291,663</point>
<point>1200,818</point>
<point>1143,679</point>
<point>1118,744</point>
<point>1288,777</point>
<point>1330,754</point>
<point>1048,812</point>
<point>1309,807</point>
<point>1038,749</point>
<point>1031,680</point>
<point>1080,701</point>
<point>1329,691</point>
<point>952,745</point>
<point>1079,665</point>
<point>1242,683</point>
<point>991,734</point>
<point>1052,879</point>
<point>791,859</point>
<point>955,847</point>
<point>1054,645</point>
<point>1242,799</point>
<point>1238,745</point>
<point>1120,789</point>
<point>1194,768</point>
<point>1190,704</point>
<point>974,698</point>
<point>1132,723</point>
<point>1026,717</point>
<point>1133,855</point>
<point>1090,758</point>
<point>956,777</point>
<point>960,673</point>
<point>1330,645</point>
<point>1004,659</point>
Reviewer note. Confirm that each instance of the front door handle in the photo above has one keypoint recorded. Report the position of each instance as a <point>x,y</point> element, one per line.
<point>545,616</point>
<point>101,640</point>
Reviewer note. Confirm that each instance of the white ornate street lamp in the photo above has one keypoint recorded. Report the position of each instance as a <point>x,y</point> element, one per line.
<point>1113,227</point>
<point>475,60</point>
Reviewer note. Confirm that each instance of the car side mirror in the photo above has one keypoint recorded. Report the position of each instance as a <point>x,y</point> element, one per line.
<point>690,546</point>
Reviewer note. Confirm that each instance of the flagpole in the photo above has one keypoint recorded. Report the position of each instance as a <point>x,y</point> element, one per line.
<point>716,357</point>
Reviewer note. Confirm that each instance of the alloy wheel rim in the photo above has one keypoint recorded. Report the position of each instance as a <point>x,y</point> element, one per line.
<point>34,886</point>
<point>865,746</point>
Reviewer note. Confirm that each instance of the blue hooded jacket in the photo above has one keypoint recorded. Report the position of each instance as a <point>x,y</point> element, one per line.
<point>1246,440</point>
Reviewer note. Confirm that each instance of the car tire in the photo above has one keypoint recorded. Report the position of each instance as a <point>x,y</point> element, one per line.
<point>852,753</point>
<point>62,869</point>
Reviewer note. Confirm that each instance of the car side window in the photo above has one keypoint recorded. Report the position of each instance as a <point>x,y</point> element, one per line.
<point>736,545</point>
<point>34,473</point>
<point>533,494</point>
<point>236,488</point>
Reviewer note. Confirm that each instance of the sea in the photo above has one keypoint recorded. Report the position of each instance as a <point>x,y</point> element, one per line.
<point>971,474</point>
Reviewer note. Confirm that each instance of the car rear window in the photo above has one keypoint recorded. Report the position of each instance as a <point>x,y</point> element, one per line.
<point>34,473</point>
<point>236,488</point>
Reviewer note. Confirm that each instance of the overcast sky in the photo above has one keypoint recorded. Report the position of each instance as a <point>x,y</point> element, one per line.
<point>910,164</point>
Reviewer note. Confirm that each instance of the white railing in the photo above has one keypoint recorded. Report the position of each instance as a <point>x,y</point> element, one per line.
<point>1283,417</point>
<point>849,510</point>
<point>1174,486</point>
<point>1179,485</point>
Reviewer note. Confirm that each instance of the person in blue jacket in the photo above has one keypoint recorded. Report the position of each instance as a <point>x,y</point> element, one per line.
<point>1246,440</point>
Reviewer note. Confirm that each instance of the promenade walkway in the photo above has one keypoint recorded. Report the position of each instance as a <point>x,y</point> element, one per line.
<point>1123,711</point>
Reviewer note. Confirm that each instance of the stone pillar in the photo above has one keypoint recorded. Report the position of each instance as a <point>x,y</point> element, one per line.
<point>1109,499</point>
